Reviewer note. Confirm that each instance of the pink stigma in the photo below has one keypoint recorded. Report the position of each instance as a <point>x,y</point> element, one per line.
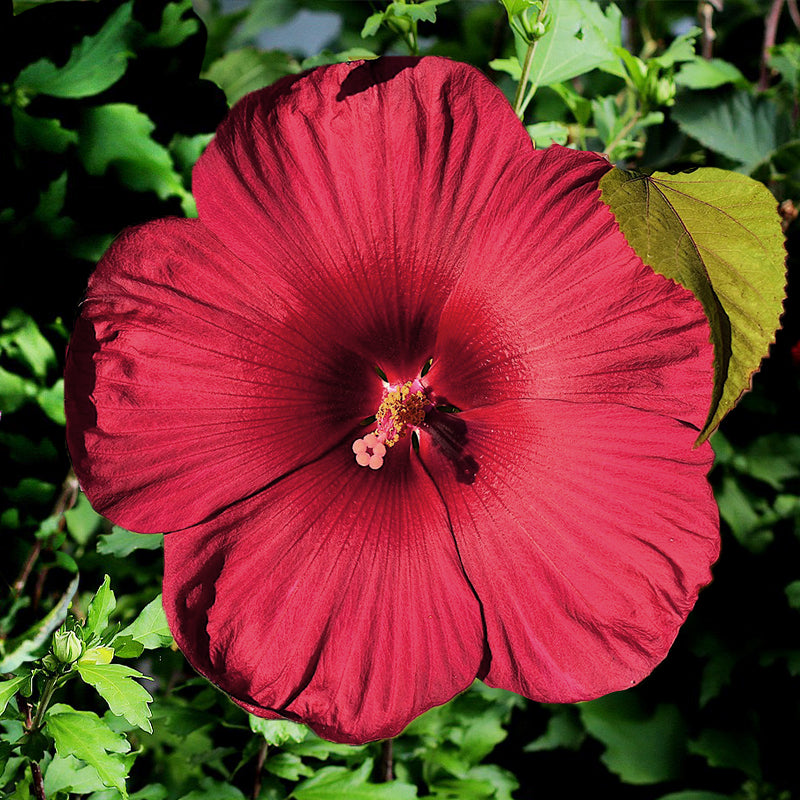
<point>369,451</point>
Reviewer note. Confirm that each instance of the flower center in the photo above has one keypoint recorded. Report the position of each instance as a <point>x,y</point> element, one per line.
<point>403,408</point>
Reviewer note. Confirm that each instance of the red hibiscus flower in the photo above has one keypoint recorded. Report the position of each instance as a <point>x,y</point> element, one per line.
<point>410,407</point>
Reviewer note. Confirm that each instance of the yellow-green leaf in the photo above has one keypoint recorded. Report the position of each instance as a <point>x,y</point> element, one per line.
<point>116,685</point>
<point>718,234</point>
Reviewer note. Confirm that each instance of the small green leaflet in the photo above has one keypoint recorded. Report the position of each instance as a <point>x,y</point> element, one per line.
<point>121,543</point>
<point>100,608</point>
<point>21,340</point>
<point>118,136</point>
<point>582,37</point>
<point>640,747</point>
<point>415,12</point>
<point>278,731</point>
<point>718,234</point>
<point>241,71</point>
<point>84,735</point>
<point>116,685</point>
<point>333,783</point>
<point>96,63</point>
<point>9,688</point>
<point>150,628</point>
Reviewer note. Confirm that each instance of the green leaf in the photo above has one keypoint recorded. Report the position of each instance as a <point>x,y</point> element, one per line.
<point>84,735</point>
<point>82,520</point>
<point>214,790</point>
<point>41,133</point>
<point>372,25</point>
<point>582,37</point>
<point>510,66</point>
<point>741,127</point>
<point>118,136</point>
<point>51,401</point>
<point>21,340</point>
<point>792,592</point>
<point>100,608</point>
<point>23,648</point>
<point>116,685</point>
<point>641,748</point>
<point>150,627</point>
<point>416,11</point>
<point>68,774</point>
<point>698,795</point>
<point>774,459</point>
<point>278,731</point>
<point>546,133</point>
<point>9,688</point>
<point>333,783</point>
<point>729,749</point>
<point>15,391</point>
<point>718,234</point>
<point>95,64</point>
<point>680,49</point>
<point>785,58</point>
<point>708,74</point>
<point>239,72</point>
<point>329,57</point>
<point>288,766</point>
<point>563,730</point>
<point>178,23</point>
<point>736,508</point>
<point>121,543</point>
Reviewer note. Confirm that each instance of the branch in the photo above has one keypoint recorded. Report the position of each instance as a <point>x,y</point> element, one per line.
<point>65,501</point>
<point>770,35</point>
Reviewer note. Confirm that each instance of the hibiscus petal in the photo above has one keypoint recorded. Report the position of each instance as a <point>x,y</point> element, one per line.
<point>359,186</point>
<point>190,386</point>
<point>559,306</point>
<point>336,598</point>
<point>587,532</point>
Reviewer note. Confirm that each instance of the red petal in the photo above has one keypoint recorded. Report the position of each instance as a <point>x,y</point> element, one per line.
<point>358,186</point>
<point>336,598</point>
<point>587,531</point>
<point>557,305</point>
<point>189,385</point>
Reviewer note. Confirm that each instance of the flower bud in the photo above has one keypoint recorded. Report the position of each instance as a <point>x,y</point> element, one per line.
<point>51,663</point>
<point>67,647</point>
<point>665,91</point>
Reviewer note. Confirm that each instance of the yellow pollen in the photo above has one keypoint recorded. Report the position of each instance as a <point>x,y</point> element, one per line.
<point>400,409</point>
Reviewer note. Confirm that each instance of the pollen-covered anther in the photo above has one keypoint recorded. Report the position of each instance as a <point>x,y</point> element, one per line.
<point>402,408</point>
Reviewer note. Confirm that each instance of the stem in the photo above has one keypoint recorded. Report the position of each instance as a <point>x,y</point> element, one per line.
<point>386,765</point>
<point>770,34</point>
<point>520,100</point>
<point>706,14</point>
<point>623,132</point>
<point>794,12</point>
<point>65,501</point>
<point>262,757</point>
<point>36,770</point>
<point>47,695</point>
<point>38,781</point>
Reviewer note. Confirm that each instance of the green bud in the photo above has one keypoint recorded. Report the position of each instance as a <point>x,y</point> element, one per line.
<point>665,91</point>
<point>97,655</point>
<point>538,29</point>
<point>67,647</point>
<point>51,663</point>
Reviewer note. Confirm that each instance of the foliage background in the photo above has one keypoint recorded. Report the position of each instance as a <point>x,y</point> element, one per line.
<point>104,107</point>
